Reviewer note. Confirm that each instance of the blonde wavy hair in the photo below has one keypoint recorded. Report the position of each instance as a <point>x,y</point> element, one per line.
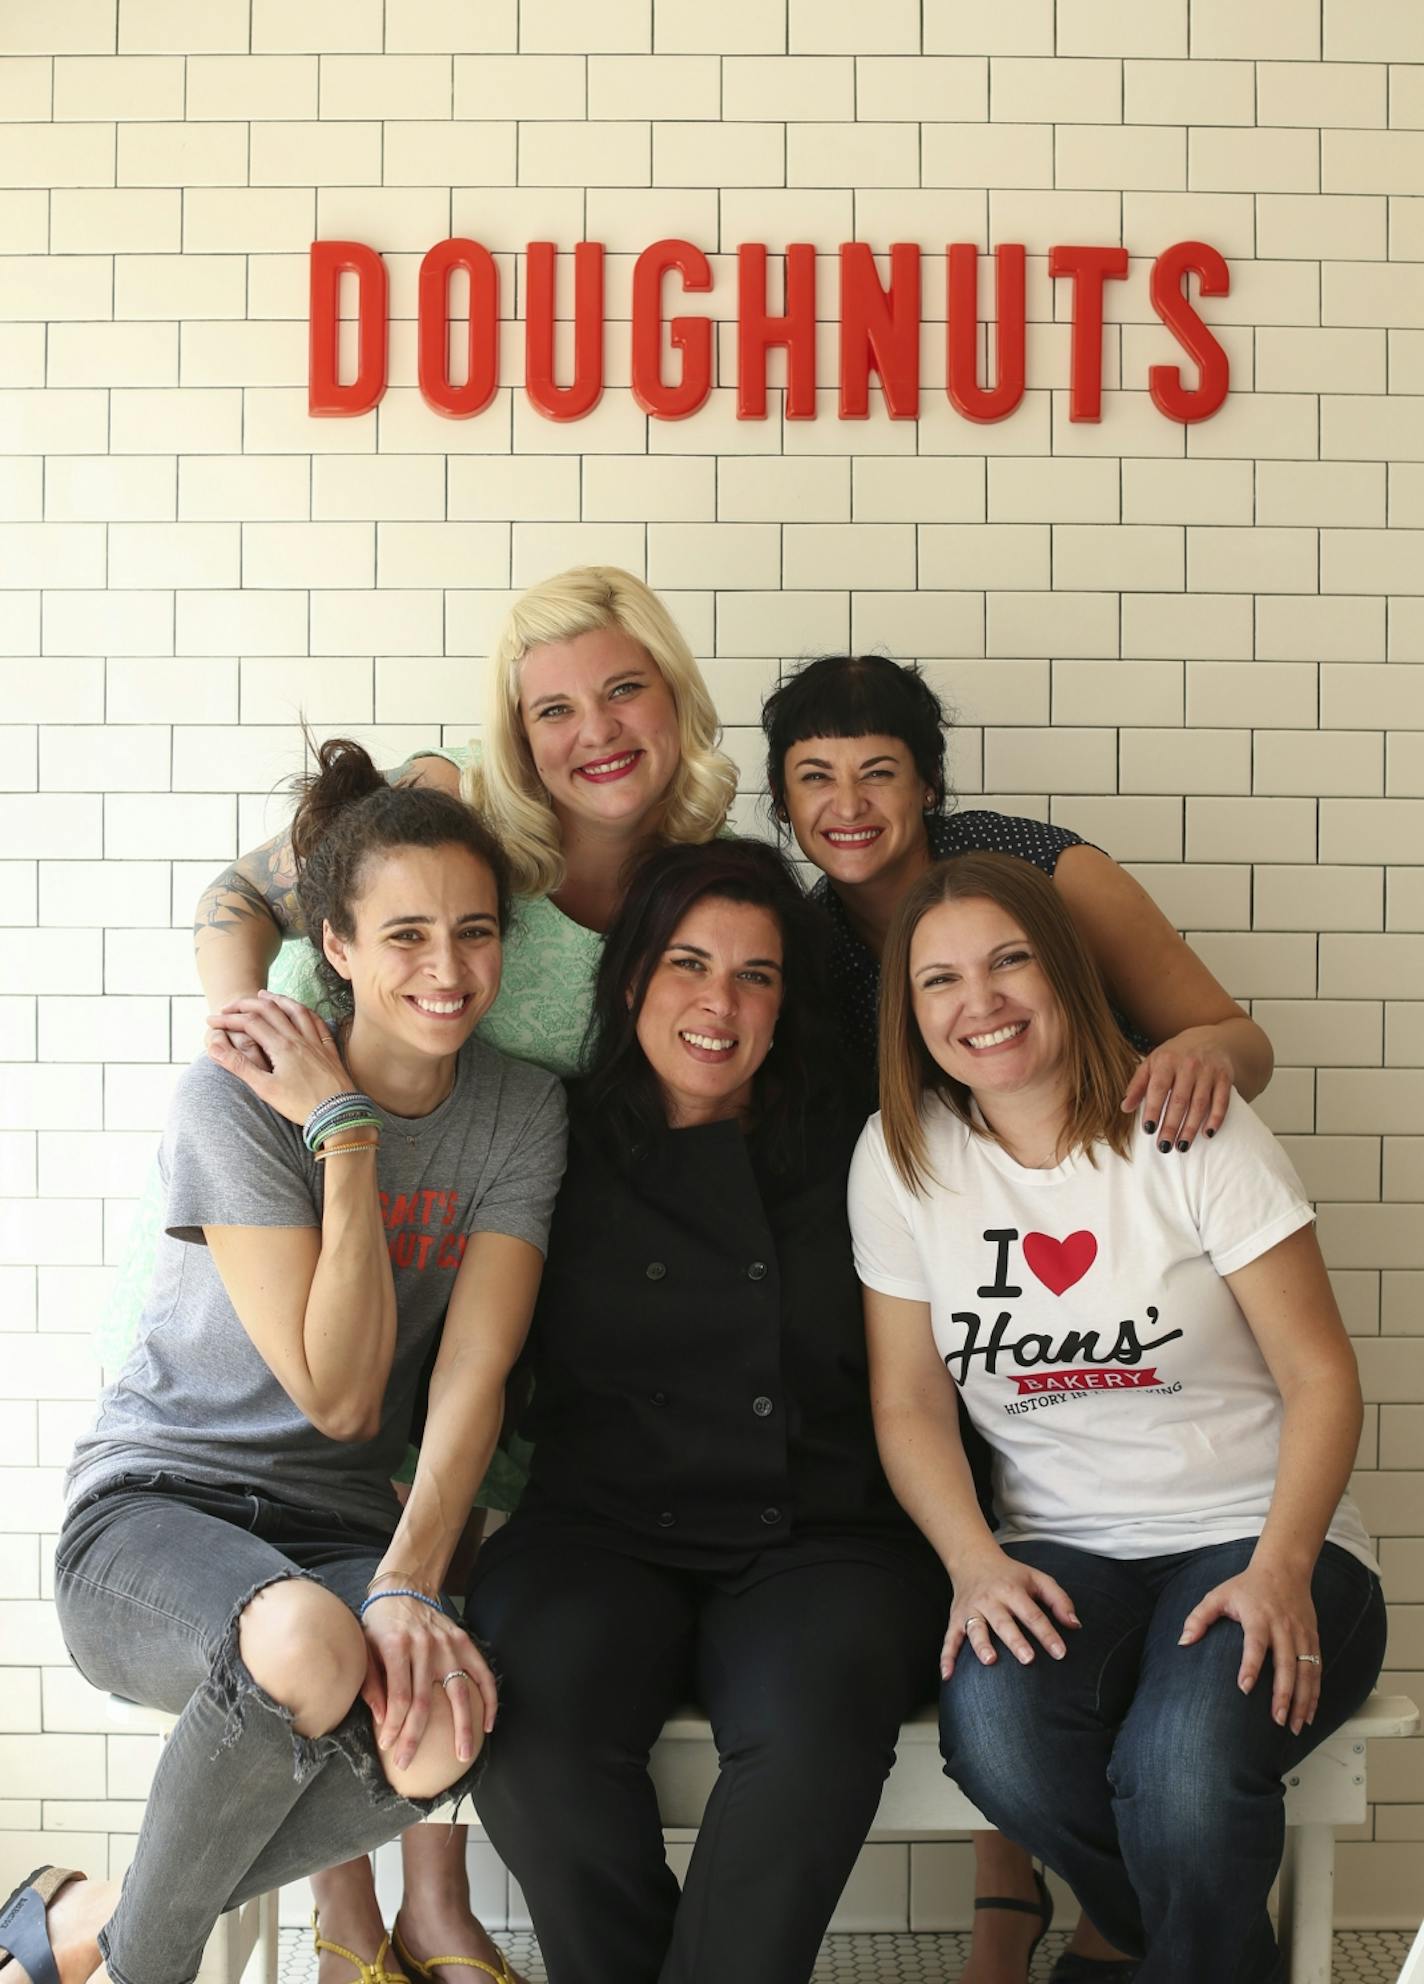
<point>502,783</point>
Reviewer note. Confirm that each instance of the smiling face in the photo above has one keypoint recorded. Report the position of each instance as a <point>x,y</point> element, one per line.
<point>857,806</point>
<point>710,1010</point>
<point>602,728</point>
<point>424,962</point>
<point>985,1010</point>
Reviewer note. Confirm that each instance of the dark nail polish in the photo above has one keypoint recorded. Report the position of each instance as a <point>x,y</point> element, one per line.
<point>1149,1128</point>
<point>1164,1146</point>
<point>1183,1145</point>
<point>1211,1133</point>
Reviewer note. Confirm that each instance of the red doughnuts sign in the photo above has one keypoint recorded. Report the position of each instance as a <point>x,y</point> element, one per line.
<point>879,330</point>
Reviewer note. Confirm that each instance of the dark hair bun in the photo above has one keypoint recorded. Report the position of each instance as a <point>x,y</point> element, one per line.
<point>345,772</point>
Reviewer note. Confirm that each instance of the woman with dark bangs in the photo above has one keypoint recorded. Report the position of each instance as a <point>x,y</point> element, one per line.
<point>706,1517</point>
<point>856,770</point>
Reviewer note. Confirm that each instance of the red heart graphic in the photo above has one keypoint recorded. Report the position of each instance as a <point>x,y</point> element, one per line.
<point>1059,1263</point>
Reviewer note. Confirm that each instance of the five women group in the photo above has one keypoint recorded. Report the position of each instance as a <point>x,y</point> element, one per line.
<point>1031,1388</point>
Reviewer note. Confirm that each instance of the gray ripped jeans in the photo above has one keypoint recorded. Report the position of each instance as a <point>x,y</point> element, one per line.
<point>152,1575</point>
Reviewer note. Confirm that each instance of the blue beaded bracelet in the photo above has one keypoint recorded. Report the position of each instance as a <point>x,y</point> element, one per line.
<point>377,1596</point>
<point>334,1114</point>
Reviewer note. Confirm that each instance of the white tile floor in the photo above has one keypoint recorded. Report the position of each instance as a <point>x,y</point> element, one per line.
<point>1361,1957</point>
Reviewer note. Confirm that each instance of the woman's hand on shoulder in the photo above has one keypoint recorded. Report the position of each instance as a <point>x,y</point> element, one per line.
<point>997,1596</point>
<point>410,1647</point>
<point>1167,994</point>
<point>1276,1614</point>
<point>279,1049</point>
<point>217,1036</point>
<point>1183,1088</point>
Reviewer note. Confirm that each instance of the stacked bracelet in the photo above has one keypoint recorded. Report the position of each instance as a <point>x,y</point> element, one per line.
<point>350,1111</point>
<point>376,1597</point>
<point>340,1129</point>
<point>340,1150</point>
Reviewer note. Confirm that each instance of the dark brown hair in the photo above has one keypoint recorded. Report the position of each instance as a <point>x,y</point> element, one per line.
<point>348,815</point>
<point>1098,1061</point>
<point>620,1091</point>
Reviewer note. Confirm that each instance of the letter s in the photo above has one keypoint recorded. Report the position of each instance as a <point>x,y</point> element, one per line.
<point>1164,382</point>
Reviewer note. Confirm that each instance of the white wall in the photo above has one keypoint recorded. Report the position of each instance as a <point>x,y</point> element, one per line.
<point>1201,647</point>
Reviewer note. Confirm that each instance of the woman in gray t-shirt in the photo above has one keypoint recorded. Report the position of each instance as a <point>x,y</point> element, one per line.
<point>233,1550</point>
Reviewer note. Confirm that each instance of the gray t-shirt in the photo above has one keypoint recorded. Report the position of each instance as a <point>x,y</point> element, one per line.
<point>195,1397</point>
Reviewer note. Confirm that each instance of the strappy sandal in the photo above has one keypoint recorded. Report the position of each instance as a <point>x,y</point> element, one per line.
<point>366,1973</point>
<point>24,1930</point>
<point>504,1975</point>
<point>1042,1908</point>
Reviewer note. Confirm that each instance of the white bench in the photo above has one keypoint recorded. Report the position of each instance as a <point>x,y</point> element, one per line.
<point>1328,1790</point>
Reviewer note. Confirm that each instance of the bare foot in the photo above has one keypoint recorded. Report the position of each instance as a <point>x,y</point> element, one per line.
<point>349,1914</point>
<point>999,1951</point>
<point>1003,1937</point>
<point>363,1939</point>
<point>450,1931</point>
<point>74,1918</point>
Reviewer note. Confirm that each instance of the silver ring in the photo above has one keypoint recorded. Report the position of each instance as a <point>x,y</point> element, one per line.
<point>975,1621</point>
<point>1310,1659</point>
<point>455,1674</point>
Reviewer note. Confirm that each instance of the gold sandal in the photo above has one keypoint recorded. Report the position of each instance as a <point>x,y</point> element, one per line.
<point>504,1975</point>
<point>366,1973</point>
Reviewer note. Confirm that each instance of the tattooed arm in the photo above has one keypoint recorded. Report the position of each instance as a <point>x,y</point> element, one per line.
<point>241,919</point>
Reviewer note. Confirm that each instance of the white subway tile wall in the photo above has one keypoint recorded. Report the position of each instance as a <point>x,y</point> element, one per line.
<point>1202,646</point>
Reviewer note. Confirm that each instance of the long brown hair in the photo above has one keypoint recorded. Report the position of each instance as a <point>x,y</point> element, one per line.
<point>1097,1060</point>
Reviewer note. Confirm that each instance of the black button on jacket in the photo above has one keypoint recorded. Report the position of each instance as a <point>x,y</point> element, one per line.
<point>698,1351</point>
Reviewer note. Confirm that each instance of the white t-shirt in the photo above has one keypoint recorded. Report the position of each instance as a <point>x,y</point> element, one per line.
<point>1082,1312</point>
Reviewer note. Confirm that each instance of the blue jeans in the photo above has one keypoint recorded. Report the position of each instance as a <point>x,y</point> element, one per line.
<point>1138,1770</point>
<point>151,1578</point>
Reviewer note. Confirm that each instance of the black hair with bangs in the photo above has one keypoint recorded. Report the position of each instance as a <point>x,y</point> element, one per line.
<point>857,695</point>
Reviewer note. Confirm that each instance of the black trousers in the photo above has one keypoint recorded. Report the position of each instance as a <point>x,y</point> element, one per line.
<point>805,1672</point>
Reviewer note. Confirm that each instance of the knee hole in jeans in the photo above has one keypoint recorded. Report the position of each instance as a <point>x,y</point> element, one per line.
<point>306,1650</point>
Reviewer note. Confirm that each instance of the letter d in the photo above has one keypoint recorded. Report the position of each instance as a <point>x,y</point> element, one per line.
<point>330,260</point>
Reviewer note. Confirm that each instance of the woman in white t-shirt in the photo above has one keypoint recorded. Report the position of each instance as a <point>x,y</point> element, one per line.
<point>1155,1358</point>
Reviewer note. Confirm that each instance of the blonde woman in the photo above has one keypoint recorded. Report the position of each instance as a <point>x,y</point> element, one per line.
<point>600,741</point>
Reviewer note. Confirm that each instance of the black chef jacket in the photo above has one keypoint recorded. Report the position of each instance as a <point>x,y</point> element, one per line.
<point>698,1355</point>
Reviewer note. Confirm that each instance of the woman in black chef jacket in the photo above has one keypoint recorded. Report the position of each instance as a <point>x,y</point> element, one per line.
<point>706,1517</point>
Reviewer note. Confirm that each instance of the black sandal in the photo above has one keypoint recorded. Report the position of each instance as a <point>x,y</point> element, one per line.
<point>24,1933</point>
<point>1042,1908</point>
